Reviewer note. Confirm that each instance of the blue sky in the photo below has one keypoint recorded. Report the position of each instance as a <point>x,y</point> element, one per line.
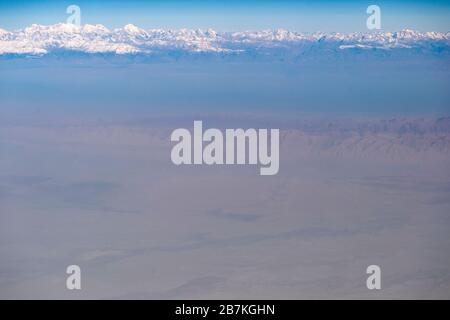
<point>307,16</point>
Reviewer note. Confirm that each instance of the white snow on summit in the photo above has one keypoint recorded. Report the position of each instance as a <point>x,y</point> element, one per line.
<point>39,40</point>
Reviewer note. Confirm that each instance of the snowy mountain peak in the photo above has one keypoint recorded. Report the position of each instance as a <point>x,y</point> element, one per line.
<point>41,39</point>
<point>132,29</point>
<point>55,29</point>
<point>98,28</point>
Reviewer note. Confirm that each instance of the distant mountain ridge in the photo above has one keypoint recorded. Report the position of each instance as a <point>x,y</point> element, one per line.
<point>39,40</point>
<point>402,139</point>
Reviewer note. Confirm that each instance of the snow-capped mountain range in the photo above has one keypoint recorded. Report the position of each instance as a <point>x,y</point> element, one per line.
<point>38,40</point>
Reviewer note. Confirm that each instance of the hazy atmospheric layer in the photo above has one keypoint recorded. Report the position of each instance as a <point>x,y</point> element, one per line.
<point>105,195</point>
<point>86,176</point>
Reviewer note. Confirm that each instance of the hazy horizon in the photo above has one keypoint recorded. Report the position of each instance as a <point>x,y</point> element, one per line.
<point>86,176</point>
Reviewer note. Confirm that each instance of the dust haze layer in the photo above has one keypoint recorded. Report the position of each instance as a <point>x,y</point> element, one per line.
<point>86,176</point>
